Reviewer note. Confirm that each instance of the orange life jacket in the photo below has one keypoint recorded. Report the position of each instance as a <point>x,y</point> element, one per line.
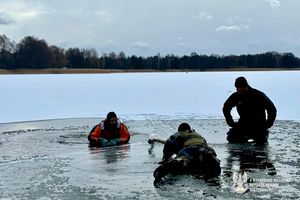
<point>121,132</point>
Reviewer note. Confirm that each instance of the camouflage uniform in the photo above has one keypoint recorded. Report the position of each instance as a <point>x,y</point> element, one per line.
<point>193,156</point>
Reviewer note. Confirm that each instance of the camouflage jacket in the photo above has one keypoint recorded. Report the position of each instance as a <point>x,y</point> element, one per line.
<point>184,139</point>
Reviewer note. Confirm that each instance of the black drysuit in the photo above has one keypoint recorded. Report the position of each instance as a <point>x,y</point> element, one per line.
<point>251,106</point>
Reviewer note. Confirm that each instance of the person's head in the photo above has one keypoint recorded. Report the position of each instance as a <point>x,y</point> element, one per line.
<point>112,118</point>
<point>184,127</point>
<point>241,84</point>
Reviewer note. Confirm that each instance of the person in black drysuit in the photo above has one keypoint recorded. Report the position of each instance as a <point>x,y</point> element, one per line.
<point>251,106</point>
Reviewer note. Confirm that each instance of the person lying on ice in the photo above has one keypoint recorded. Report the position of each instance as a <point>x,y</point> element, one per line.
<point>109,132</point>
<point>193,155</point>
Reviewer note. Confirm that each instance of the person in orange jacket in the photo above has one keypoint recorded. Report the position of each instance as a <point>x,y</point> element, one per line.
<point>109,132</point>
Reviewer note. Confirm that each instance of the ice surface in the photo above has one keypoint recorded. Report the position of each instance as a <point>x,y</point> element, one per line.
<point>137,95</point>
<point>51,160</point>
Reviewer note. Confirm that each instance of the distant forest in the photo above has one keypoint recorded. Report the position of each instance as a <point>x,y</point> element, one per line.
<point>35,53</point>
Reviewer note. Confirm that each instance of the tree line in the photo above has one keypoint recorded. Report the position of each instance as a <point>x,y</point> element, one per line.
<point>35,53</point>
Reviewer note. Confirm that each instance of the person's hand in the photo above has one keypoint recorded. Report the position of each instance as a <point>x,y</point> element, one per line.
<point>112,143</point>
<point>102,142</point>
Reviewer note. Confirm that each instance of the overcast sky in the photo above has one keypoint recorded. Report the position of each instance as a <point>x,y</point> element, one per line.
<point>148,27</point>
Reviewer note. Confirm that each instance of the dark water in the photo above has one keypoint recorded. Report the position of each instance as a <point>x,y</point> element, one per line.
<point>51,160</point>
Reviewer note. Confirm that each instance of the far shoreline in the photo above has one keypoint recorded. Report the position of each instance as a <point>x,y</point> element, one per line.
<point>109,71</point>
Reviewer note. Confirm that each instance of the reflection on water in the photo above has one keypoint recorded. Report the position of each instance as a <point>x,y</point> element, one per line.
<point>110,154</point>
<point>249,158</point>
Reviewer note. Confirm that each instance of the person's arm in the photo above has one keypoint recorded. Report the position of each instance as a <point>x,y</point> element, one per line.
<point>168,151</point>
<point>271,111</point>
<point>94,135</point>
<point>227,107</point>
<point>171,146</point>
<point>153,140</point>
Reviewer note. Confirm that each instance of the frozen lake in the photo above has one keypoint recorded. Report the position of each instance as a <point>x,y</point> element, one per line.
<point>51,160</point>
<point>134,95</point>
<point>46,157</point>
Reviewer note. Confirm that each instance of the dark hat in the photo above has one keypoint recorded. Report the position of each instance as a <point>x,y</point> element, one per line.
<point>111,115</point>
<point>184,127</point>
<point>241,82</point>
